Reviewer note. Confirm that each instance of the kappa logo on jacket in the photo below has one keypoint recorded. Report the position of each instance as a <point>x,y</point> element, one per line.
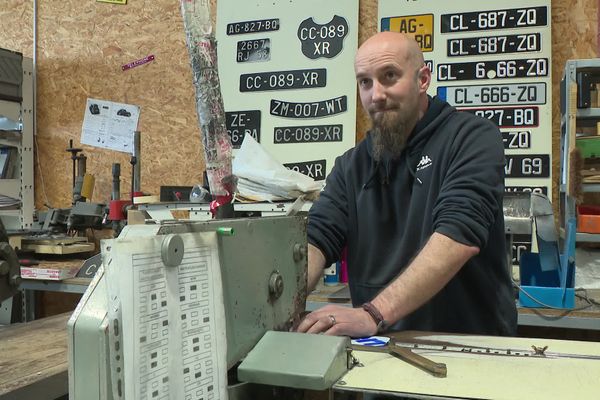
<point>424,163</point>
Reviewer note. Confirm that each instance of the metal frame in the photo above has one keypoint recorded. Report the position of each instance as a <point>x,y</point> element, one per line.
<point>22,186</point>
<point>201,212</point>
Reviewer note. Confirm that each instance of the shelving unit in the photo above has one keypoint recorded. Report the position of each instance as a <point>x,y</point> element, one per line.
<point>16,131</point>
<point>578,113</point>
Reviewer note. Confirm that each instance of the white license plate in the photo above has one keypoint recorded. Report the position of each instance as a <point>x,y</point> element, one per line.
<point>488,95</point>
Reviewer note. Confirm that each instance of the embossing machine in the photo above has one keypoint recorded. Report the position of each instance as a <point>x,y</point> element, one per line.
<point>175,307</point>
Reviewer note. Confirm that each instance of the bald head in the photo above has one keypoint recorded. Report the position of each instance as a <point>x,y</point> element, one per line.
<point>399,45</point>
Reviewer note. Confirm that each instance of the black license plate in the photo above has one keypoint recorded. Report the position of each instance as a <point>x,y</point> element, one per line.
<point>495,19</point>
<point>241,123</point>
<point>516,139</point>
<point>314,109</point>
<point>261,25</point>
<point>255,50</point>
<point>508,117</point>
<point>313,169</point>
<point>282,80</point>
<point>526,189</point>
<point>502,44</point>
<point>527,166</point>
<point>308,134</point>
<point>500,69</point>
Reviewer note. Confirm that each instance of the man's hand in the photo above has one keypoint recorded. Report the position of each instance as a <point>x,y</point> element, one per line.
<point>339,321</point>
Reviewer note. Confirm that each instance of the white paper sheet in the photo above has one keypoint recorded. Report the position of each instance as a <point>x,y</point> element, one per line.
<point>173,319</point>
<point>110,125</point>
<point>263,178</point>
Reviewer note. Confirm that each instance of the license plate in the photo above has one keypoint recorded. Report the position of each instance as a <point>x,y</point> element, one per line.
<point>503,44</point>
<point>495,19</point>
<point>313,169</point>
<point>283,80</point>
<point>508,117</point>
<point>526,189</point>
<point>313,109</point>
<point>242,123</point>
<point>253,50</point>
<point>418,26</point>
<point>260,25</point>
<point>516,139</point>
<point>527,166</point>
<point>501,69</point>
<point>308,134</point>
<point>482,95</point>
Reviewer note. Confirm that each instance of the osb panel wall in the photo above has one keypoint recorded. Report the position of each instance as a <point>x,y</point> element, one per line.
<point>81,48</point>
<point>82,45</point>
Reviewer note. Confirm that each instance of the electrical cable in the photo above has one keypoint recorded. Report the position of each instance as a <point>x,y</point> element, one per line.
<point>590,302</point>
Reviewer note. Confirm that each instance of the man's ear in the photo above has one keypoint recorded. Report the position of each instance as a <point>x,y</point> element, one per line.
<point>424,78</point>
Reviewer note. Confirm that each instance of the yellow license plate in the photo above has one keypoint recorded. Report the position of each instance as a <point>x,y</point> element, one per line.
<point>418,26</point>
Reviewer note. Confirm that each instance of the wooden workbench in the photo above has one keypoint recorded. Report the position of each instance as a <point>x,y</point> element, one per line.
<point>33,359</point>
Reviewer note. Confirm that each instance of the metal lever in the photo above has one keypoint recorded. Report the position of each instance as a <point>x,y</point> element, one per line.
<point>438,370</point>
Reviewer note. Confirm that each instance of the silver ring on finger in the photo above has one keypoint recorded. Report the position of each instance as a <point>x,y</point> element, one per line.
<point>332,319</point>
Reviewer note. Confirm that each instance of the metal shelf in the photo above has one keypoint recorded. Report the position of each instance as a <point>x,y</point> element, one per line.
<point>591,187</point>
<point>588,113</point>
<point>10,187</point>
<point>16,130</point>
<point>588,237</point>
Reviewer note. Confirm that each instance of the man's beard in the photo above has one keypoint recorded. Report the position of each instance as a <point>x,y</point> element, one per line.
<point>390,133</point>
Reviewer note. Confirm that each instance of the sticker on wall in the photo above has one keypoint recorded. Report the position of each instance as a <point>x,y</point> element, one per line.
<point>282,80</point>
<point>241,123</point>
<point>418,26</point>
<point>137,63</point>
<point>255,50</point>
<point>315,109</point>
<point>322,40</point>
<point>260,25</point>
<point>313,169</point>
<point>308,134</point>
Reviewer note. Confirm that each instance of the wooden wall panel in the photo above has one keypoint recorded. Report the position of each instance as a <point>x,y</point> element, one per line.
<point>82,45</point>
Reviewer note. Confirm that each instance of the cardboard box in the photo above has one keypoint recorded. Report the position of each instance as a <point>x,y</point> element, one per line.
<point>52,273</point>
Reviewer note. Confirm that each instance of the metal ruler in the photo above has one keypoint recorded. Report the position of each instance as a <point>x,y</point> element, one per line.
<point>494,351</point>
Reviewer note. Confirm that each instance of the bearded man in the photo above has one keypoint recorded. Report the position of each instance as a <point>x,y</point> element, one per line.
<point>418,204</point>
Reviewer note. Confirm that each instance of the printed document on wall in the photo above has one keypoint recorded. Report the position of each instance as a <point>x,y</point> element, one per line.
<point>110,125</point>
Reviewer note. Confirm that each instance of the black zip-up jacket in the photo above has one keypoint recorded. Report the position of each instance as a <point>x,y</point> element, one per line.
<point>449,179</point>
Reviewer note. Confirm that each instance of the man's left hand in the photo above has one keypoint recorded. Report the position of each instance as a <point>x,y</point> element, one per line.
<point>339,321</point>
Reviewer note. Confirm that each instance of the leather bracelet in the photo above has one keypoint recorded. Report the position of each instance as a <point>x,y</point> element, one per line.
<point>376,315</point>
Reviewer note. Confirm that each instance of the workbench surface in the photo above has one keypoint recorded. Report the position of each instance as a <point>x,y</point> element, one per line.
<point>33,359</point>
